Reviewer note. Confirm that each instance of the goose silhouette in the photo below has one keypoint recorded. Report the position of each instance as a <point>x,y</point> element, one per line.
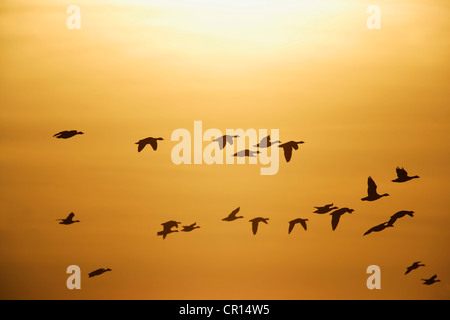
<point>288,147</point>
<point>378,228</point>
<point>399,215</point>
<point>414,266</point>
<point>372,193</point>
<point>67,134</point>
<point>68,220</point>
<point>150,140</point>
<point>292,224</point>
<point>336,216</point>
<point>190,227</point>
<point>402,175</point>
<point>98,272</point>
<point>223,140</point>
<point>246,153</point>
<point>430,280</point>
<point>232,216</point>
<point>255,223</point>
<point>167,228</point>
<point>265,142</point>
<point>325,209</point>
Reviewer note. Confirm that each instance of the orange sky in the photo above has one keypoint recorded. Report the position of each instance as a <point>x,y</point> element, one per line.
<point>364,101</point>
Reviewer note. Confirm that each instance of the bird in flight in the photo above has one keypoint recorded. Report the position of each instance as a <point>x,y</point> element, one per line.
<point>67,134</point>
<point>378,228</point>
<point>98,272</point>
<point>232,216</point>
<point>223,140</point>
<point>151,141</point>
<point>336,216</point>
<point>402,175</point>
<point>399,215</point>
<point>68,220</point>
<point>372,193</point>
<point>414,266</point>
<point>325,209</point>
<point>167,228</point>
<point>430,280</point>
<point>265,142</point>
<point>287,148</point>
<point>292,224</point>
<point>255,223</point>
<point>190,227</point>
<point>246,153</point>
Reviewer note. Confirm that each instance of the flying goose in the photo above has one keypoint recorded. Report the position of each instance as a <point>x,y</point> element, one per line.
<point>167,228</point>
<point>150,140</point>
<point>402,175</point>
<point>325,209</point>
<point>378,228</point>
<point>98,272</point>
<point>232,216</point>
<point>372,193</point>
<point>265,142</point>
<point>414,266</point>
<point>223,140</point>
<point>399,215</point>
<point>67,134</point>
<point>255,223</point>
<point>246,153</point>
<point>292,224</point>
<point>287,148</point>
<point>190,227</point>
<point>68,220</point>
<point>430,280</point>
<point>336,216</point>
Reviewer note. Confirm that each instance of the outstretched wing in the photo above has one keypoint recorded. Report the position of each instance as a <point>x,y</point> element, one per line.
<point>254,226</point>
<point>287,152</point>
<point>303,223</point>
<point>291,226</point>
<point>368,231</point>
<point>264,142</point>
<point>371,186</point>
<point>154,144</point>
<point>221,141</point>
<point>335,220</point>
<point>401,173</point>
<point>70,216</point>
<point>141,144</point>
<point>234,212</point>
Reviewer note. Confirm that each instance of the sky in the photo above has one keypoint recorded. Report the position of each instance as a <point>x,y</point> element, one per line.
<point>363,101</point>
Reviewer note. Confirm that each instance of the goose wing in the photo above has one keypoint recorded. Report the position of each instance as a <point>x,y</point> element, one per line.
<point>141,144</point>
<point>371,187</point>
<point>221,141</point>
<point>291,226</point>
<point>335,220</point>
<point>401,173</point>
<point>264,142</point>
<point>255,226</point>
<point>303,223</point>
<point>153,143</point>
<point>70,216</point>
<point>234,212</point>
<point>227,139</point>
<point>287,152</point>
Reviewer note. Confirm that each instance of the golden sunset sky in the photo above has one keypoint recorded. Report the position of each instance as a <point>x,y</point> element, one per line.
<point>364,101</point>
